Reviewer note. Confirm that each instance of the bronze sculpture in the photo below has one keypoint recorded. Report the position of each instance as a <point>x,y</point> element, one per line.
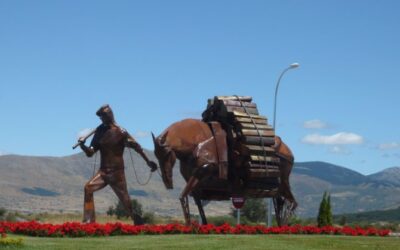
<point>110,139</point>
<point>197,145</point>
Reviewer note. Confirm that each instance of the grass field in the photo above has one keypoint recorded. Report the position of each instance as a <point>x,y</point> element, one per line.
<point>230,242</point>
<point>77,217</point>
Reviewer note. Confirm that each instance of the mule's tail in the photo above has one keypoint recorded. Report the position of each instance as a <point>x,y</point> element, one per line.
<point>284,209</point>
<point>285,204</point>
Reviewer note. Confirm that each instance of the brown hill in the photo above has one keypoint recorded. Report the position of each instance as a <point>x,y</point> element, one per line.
<point>54,184</point>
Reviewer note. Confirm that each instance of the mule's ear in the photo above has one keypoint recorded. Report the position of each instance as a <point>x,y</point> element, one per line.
<point>163,139</point>
<point>154,138</point>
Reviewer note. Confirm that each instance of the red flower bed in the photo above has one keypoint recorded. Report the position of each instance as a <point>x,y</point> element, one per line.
<point>74,229</point>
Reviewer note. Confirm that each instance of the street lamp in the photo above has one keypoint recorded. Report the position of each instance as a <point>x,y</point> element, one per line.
<point>291,66</point>
<point>269,201</point>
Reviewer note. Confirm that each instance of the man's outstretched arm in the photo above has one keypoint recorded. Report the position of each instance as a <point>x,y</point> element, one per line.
<point>132,143</point>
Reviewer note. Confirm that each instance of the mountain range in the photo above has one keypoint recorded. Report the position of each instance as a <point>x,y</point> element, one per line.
<point>55,184</point>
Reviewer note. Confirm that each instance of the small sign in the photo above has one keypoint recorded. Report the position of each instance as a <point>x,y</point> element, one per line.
<point>238,202</point>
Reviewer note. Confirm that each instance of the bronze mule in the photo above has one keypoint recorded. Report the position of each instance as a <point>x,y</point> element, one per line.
<point>181,139</point>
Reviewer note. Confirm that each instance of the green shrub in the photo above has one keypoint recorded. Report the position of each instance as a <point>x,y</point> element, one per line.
<point>3,211</point>
<point>149,218</point>
<point>343,220</point>
<point>110,211</point>
<point>10,217</point>
<point>219,220</point>
<point>11,242</point>
<point>119,211</point>
<point>254,210</point>
<point>294,220</point>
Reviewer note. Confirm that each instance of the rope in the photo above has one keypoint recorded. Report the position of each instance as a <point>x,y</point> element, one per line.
<point>134,171</point>
<point>258,132</point>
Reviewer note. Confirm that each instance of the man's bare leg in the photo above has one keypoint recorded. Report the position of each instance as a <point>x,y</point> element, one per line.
<point>96,183</point>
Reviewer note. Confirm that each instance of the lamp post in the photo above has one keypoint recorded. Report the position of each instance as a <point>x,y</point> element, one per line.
<point>269,201</point>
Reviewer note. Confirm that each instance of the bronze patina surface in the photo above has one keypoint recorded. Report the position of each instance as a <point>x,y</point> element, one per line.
<point>110,139</point>
<point>244,159</point>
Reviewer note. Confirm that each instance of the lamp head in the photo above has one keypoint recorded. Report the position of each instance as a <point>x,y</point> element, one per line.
<point>294,65</point>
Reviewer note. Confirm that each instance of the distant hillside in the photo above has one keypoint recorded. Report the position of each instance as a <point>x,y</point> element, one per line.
<point>390,215</point>
<point>350,191</point>
<point>37,184</point>
<point>389,175</point>
<point>333,174</point>
<point>56,184</point>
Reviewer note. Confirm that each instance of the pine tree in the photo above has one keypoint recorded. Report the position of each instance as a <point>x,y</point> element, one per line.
<point>329,217</point>
<point>322,218</point>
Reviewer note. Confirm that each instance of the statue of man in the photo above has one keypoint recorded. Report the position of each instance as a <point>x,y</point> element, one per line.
<point>111,140</point>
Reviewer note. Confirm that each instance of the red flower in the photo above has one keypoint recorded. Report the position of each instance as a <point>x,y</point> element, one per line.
<point>74,229</point>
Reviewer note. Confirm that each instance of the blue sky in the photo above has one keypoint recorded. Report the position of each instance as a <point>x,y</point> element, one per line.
<point>157,62</point>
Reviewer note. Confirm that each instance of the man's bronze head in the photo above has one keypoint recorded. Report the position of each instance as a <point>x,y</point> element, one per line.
<point>106,114</point>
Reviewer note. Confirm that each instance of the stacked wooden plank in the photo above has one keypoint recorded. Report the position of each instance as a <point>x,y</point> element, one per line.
<point>251,130</point>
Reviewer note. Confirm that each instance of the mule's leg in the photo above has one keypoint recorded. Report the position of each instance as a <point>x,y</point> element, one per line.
<point>185,209</point>
<point>199,174</point>
<point>284,188</point>
<point>287,160</point>
<point>286,192</point>
<point>201,210</point>
<point>184,198</point>
<point>279,202</point>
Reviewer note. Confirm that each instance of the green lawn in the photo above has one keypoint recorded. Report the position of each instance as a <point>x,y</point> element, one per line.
<point>226,242</point>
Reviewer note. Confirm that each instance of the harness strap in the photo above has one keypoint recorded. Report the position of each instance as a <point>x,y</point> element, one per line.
<point>258,132</point>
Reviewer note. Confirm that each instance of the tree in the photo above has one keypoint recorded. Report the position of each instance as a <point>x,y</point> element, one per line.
<point>3,212</point>
<point>254,210</point>
<point>110,211</point>
<point>329,217</point>
<point>343,220</point>
<point>119,211</point>
<point>321,220</point>
<point>325,211</point>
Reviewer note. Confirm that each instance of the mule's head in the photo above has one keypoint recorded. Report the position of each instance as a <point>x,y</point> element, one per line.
<point>166,159</point>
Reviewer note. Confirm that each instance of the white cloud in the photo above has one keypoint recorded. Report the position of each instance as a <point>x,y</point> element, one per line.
<point>315,124</point>
<point>141,134</point>
<point>391,145</point>
<point>336,139</point>
<point>3,153</point>
<point>339,150</point>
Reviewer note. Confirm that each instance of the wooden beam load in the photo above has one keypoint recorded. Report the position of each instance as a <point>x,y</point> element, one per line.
<point>252,131</point>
